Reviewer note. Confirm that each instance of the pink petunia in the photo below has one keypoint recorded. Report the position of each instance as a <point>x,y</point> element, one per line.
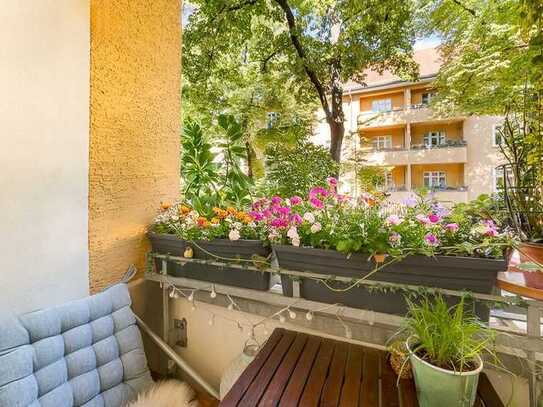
<point>318,192</point>
<point>276,200</point>
<point>423,219</point>
<point>283,210</point>
<point>452,227</point>
<point>267,213</point>
<point>257,216</point>
<point>279,223</point>
<point>316,203</point>
<point>393,220</point>
<point>295,200</point>
<point>431,239</point>
<point>296,219</point>
<point>434,218</point>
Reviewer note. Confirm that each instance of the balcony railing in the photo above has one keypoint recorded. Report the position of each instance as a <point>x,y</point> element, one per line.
<point>446,144</point>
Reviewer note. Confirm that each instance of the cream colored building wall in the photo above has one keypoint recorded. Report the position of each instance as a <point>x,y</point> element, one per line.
<point>397,135</point>
<point>483,157</point>
<point>454,174</point>
<point>44,126</point>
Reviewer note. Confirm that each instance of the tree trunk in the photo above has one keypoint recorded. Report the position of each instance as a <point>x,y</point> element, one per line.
<point>251,157</point>
<point>337,131</point>
<point>336,116</point>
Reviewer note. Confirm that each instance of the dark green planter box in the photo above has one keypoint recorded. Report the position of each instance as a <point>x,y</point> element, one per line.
<point>239,249</point>
<point>448,272</point>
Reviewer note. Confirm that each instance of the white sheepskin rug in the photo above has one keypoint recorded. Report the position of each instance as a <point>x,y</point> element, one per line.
<point>171,393</point>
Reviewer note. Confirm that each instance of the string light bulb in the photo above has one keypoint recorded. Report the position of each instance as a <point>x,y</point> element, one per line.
<point>172,292</point>
<point>291,314</point>
<point>213,294</point>
<point>191,296</point>
<point>309,316</point>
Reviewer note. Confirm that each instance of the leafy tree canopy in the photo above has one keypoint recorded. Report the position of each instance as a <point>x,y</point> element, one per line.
<point>492,51</point>
<point>310,47</point>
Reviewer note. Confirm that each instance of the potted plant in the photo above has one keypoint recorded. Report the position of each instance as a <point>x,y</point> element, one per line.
<point>445,347</point>
<point>424,243</point>
<point>520,140</point>
<point>227,236</point>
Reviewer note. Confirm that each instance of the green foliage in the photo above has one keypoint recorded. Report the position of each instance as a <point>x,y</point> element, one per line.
<point>491,50</point>
<point>210,179</point>
<point>450,338</point>
<point>371,178</point>
<point>248,57</point>
<point>199,171</point>
<point>294,170</point>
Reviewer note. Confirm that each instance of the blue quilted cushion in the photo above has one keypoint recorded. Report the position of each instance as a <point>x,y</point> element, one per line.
<point>84,353</point>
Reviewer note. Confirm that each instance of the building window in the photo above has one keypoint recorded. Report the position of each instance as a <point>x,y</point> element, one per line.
<point>382,142</point>
<point>435,179</point>
<point>499,178</point>
<point>497,135</point>
<point>434,139</point>
<point>381,105</point>
<point>427,97</point>
<point>272,119</point>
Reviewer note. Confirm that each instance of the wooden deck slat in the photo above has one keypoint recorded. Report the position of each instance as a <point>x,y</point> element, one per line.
<point>279,382</point>
<point>389,390</point>
<point>487,392</point>
<point>369,396</point>
<point>260,383</point>
<point>297,382</point>
<point>242,384</point>
<point>350,393</point>
<point>332,387</point>
<point>312,391</point>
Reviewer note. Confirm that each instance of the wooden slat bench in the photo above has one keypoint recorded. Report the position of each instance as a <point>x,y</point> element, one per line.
<point>297,369</point>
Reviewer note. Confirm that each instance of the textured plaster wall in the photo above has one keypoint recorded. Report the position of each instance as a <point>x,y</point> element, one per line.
<point>134,129</point>
<point>44,128</point>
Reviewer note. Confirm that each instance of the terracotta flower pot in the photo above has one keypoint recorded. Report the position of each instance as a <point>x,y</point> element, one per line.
<point>533,253</point>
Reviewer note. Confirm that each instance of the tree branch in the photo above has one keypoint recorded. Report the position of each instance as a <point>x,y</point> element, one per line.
<point>469,10</point>
<point>293,31</point>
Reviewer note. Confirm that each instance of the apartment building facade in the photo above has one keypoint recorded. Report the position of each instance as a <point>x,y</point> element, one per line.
<point>391,125</point>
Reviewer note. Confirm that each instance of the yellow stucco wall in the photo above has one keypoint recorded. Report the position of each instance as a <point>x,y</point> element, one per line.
<point>398,136</point>
<point>454,174</point>
<point>134,130</point>
<point>397,100</point>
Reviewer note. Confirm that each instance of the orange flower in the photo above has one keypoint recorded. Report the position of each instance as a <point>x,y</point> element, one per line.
<point>203,222</point>
<point>183,210</point>
<point>165,205</point>
<point>231,210</point>
<point>240,215</point>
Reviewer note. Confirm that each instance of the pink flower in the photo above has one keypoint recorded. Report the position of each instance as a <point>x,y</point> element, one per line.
<point>316,227</point>
<point>295,241</point>
<point>318,192</point>
<point>316,203</point>
<point>257,205</point>
<point>295,200</point>
<point>410,202</point>
<point>431,239</point>
<point>267,213</point>
<point>491,232</point>
<point>394,220</point>
<point>332,181</point>
<point>279,223</point>
<point>296,219</point>
<point>283,210</point>
<point>423,219</point>
<point>343,198</point>
<point>257,216</point>
<point>452,227</point>
<point>276,200</point>
<point>434,218</point>
<point>293,232</point>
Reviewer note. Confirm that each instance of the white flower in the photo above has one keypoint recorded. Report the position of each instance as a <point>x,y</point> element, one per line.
<point>296,241</point>
<point>315,227</point>
<point>308,216</point>
<point>234,234</point>
<point>292,232</point>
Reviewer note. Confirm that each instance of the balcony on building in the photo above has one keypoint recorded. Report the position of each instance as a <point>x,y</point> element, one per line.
<point>446,181</point>
<point>438,142</point>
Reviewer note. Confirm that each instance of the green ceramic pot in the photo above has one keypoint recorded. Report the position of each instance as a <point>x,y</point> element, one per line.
<point>441,387</point>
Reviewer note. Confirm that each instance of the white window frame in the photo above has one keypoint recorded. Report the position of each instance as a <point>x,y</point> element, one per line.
<point>436,179</point>
<point>382,142</point>
<point>440,137</point>
<point>381,105</point>
<point>497,173</point>
<point>429,96</point>
<point>495,142</point>
<point>271,119</point>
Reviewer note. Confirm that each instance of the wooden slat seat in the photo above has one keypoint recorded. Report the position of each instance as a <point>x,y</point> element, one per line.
<point>296,369</point>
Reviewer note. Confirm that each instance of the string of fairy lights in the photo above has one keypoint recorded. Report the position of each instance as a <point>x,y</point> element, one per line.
<point>282,315</point>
